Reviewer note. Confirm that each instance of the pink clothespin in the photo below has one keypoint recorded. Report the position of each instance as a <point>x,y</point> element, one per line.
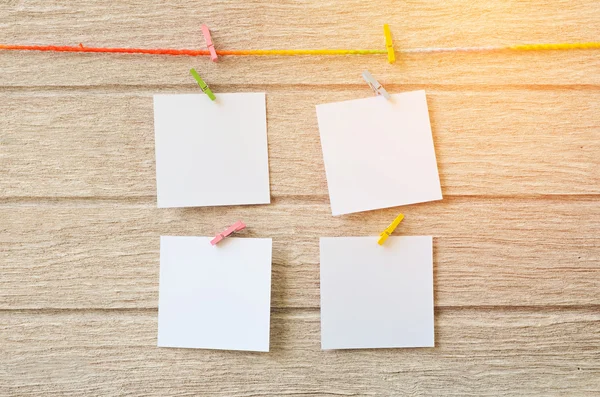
<point>236,227</point>
<point>209,43</point>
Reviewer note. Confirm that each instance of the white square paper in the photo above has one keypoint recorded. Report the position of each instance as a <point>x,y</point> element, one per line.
<point>376,296</point>
<point>211,153</point>
<point>378,153</point>
<point>214,297</point>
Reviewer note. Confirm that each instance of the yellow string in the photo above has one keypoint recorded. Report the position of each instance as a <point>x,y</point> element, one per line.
<point>557,46</point>
<point>300,52</point>
<point>518,47</point>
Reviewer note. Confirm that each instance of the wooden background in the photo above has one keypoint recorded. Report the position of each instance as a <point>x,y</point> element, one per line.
<point>517,236</point>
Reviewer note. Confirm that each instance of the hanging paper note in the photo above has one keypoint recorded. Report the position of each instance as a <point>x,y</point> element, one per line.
<point>214,297</point>
<point>376,297</point>
<point>211,153</point>
<point>378,153</point>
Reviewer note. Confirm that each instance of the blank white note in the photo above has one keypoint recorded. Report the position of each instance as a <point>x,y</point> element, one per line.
<point>214,297</point>
<point>376,296</point>
<point>378,153</point>
<point>211,153</point>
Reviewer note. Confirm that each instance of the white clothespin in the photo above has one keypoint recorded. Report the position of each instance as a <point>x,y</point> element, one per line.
<point>375,86</point>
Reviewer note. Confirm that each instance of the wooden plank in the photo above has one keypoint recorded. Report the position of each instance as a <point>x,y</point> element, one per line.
<point>418,24</point>
<point>333,24</point>
<point>85,144</point>
<point>546,68</point>
<point>486,252</point>
<point>355,24</point>
<point>478,352</point>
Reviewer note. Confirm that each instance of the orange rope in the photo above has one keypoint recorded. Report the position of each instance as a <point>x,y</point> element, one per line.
<point>168,51</point>
<point>155,51</point>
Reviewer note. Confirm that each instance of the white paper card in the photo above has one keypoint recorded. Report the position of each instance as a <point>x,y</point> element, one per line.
<point>376,296</point>
<point>211,153</point>
<point>214,297</point>
<point>378,153</point>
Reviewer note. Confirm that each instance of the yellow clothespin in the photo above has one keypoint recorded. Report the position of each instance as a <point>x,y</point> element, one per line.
<point>389,44</point>
<point>390,229</point>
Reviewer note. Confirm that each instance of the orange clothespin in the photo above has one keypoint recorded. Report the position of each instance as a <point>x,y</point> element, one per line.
<point>209,43</point>
<point>236,227</point>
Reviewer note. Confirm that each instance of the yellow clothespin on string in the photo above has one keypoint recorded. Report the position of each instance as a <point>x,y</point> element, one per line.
<point>389,45</point>
<point>390,229</point>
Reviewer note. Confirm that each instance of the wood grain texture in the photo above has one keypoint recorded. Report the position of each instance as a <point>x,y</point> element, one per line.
<point>300,24</point>
<point>487,143</point>
<point>478,352</point>
<point>503,253</point>
<point>516,238</point>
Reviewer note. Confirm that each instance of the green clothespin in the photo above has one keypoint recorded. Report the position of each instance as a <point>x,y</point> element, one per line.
<point>202,84</point>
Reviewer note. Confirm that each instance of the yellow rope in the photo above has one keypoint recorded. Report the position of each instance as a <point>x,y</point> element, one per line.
<point>300,52</point>
<point>558,46</point>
